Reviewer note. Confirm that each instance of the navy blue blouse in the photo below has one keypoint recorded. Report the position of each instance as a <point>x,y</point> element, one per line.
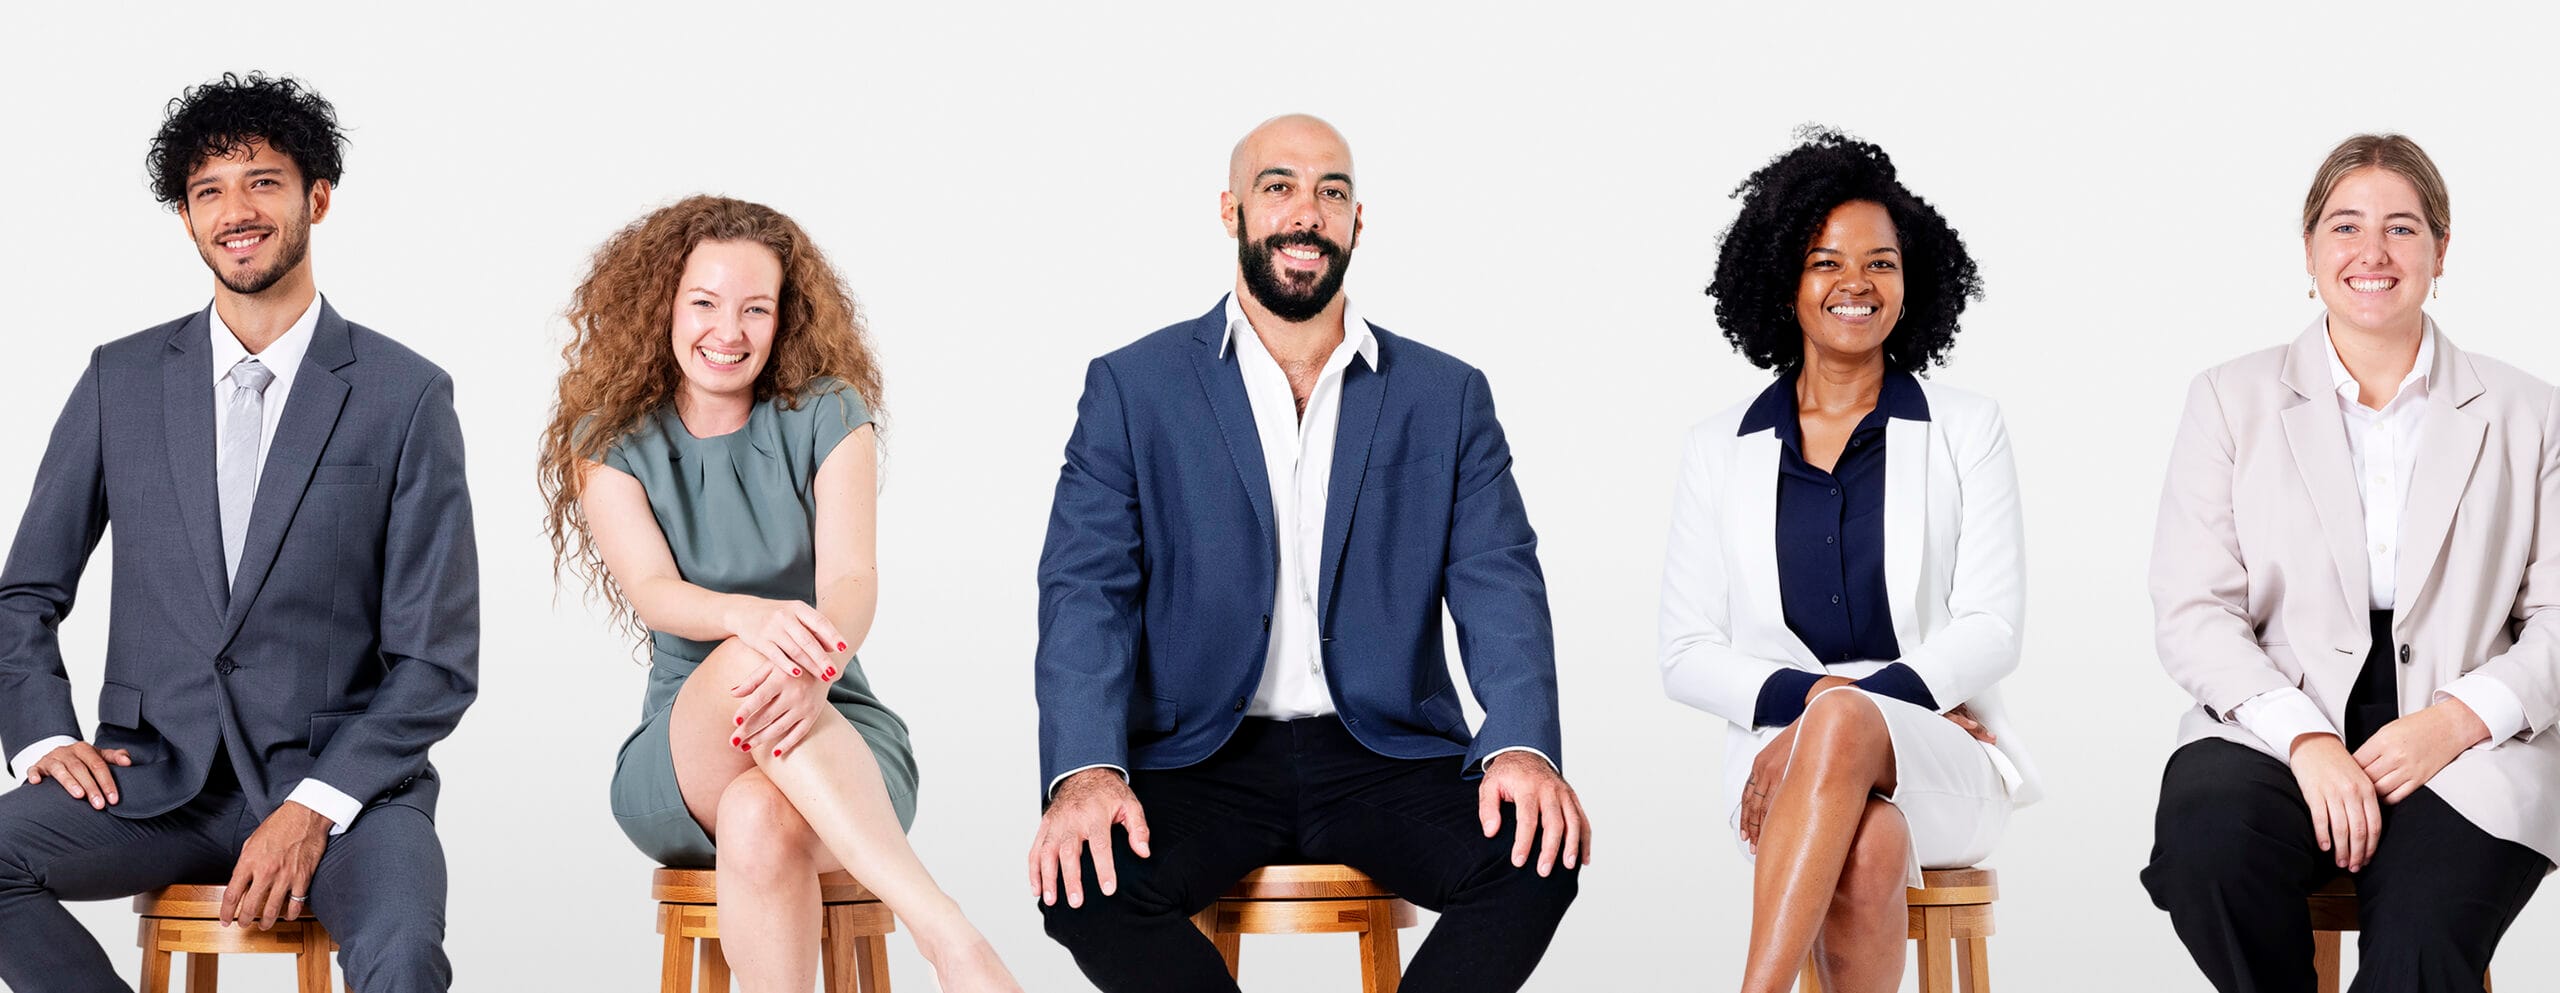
<point>1830,545</point>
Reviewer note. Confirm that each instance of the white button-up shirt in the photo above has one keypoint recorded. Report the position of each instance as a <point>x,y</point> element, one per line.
<point>283,357</point>
<point>2383,448</point>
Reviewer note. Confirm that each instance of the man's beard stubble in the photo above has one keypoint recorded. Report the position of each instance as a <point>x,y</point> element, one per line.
<point>1292,300</point>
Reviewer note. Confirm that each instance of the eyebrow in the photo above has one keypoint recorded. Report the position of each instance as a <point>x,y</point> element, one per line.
<point>259,171</point>
<point>2352,212</point>
<point>1828,250</point>
<point>1342,177</point>
<point>709,292</point>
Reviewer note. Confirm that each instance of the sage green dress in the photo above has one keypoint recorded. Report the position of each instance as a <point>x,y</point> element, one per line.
<point>738,512</point>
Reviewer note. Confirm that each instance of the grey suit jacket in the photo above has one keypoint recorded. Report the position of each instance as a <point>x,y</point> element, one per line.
<point>349,641</point>
<point>2258,569</point>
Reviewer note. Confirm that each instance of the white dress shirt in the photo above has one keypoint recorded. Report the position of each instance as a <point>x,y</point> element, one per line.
<point>2383,445</point>
<point>283,357</point>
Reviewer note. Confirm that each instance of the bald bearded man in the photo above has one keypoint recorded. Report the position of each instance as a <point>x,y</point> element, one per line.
<point>1262,513</point>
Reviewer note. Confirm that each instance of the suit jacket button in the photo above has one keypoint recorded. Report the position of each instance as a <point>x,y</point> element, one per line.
<point>1239,703</point>
<point>225,666</point>
<point>2404,655</point>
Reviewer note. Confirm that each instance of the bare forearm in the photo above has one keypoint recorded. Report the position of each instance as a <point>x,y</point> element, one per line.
<point>850,602</point>
<point>682,609</point>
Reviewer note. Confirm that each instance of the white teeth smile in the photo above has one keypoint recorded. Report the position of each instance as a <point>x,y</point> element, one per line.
<point>722,358</point>
<point>1846,310</point>
<point>2375,284</point>
<point>1307,254</point>
<point>238,243</point>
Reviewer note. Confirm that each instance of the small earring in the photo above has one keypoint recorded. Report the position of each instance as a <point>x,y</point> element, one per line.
<point>2436,291</point>
<point>2312,292</point>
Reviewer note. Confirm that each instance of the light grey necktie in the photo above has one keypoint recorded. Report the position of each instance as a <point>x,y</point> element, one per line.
<point>236,462</point>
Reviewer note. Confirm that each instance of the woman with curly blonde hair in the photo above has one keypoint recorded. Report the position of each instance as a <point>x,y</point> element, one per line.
<point>710,470</point>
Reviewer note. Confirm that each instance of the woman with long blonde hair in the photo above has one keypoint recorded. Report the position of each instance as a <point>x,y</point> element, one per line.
<point>710,470</point>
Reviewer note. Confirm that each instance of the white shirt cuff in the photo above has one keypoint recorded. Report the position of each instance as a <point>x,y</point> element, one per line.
<point>27,757</point>
<point>2494,702</point>
<point>325,800</point>
<point>2279,716</point>
<point>1542,756</point>
<point>1062,777</point>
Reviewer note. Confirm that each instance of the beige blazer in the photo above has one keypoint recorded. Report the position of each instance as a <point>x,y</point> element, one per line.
<point>2258,569</point>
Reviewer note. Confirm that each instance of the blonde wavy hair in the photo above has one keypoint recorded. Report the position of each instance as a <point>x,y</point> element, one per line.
<point>621,367</point>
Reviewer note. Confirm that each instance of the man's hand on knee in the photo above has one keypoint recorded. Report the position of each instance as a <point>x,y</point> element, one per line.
<point>1079,816</point>
<point>273,877</point>
<point>1550,816</point>
<point>84,770</point>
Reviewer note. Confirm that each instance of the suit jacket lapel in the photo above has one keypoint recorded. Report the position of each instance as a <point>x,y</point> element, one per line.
<point>2317,435</point>
<point>1753,526</point>
<point>2448,448</point>
<point>310,414</point>
<point>1906,522</point>
<point>186,402</point>
<point>1363,396</point>
<point>1223,380</point>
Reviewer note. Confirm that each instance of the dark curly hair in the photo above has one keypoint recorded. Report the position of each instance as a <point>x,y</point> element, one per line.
<point>231,113</point>
<point>1760,258</point>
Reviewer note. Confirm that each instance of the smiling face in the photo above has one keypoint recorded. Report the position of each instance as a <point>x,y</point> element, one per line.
<point>1850,294</point>
<point>2372,253</point>
<point>250,217</point>
<point>1290,208</point>
<point>725,317</point>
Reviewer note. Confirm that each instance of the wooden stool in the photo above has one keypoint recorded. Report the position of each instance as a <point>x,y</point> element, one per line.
<point>188,919</point>
<point>852,952</point>
<point>2333,910</point>
<point>1312,899</point>
<point>1950,913</point>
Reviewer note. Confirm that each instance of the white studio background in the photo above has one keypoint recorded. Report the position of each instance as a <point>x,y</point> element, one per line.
<point>1013,190</point>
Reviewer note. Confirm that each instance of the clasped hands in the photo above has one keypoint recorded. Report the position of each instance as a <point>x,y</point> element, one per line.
<point>777,705</point>
<point>1549,817</point>
<point>2345,792</point>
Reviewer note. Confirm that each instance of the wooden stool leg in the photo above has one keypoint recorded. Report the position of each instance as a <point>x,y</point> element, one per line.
<point>311,964</point>
<point>1937,935</point>
<point>871,963</point>
<point>675,964</point>
<point>1810,981</point>
<point>203,971</point>
<point>155,960</point>
<point>1381,964</point>
<point>1973,965</point>
<point>835,953</point>
<point>2324,960</point>
<point>715,968</point>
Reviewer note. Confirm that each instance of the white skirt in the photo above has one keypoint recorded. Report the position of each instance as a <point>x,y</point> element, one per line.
<point>1948,785</point>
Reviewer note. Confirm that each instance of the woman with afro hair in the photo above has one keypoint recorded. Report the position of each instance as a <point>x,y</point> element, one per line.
<point>1845,579</point>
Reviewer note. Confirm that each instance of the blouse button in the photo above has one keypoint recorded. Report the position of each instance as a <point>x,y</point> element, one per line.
<point>1835,598</point>
<point>1828,539</point>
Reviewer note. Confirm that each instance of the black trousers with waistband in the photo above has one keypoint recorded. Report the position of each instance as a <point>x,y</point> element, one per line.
<point>1302,791</point>
<point>2234,860</point>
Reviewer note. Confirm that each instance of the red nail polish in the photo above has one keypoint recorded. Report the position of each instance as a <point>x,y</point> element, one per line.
<point>733,740</point>
<point>839,646</point>
<point>795,672</point>
<point>831,672</point>
<point>742,722</point>
<point>777,753</point>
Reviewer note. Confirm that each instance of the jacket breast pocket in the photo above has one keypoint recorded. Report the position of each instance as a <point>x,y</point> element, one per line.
<point>1385,476</point>
<point>120,705</point>
<point>346,475</point>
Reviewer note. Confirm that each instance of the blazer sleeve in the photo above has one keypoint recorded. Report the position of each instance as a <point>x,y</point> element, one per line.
<point>1987,601</point>
<point>1496,593</point>
<point>65,516</point>
<point>2530,667</point>
<point>2199,580</point>
<point>1092,591</point>
<point>430,627</point>
<point>1700,665</point>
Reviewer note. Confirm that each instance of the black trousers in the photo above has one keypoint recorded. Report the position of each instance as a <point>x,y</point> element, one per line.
<point>379,888</point>
<point>1306,791</point>
<point>2234,859</point>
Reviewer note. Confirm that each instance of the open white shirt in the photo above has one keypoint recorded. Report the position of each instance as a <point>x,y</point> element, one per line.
<point>2383,445</point>
<point>283,357</point>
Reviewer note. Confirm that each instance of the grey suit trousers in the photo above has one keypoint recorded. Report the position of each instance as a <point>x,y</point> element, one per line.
<point>380,887</point>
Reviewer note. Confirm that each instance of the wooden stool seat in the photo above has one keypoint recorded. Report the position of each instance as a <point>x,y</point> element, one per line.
<point>1951,919</point>
<point>852,954</point>
<point>2333,910</point>
<point>1312,899</point>
<point>188,919</point>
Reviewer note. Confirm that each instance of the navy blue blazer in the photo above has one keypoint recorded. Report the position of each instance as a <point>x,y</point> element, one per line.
<point>1157,580</point>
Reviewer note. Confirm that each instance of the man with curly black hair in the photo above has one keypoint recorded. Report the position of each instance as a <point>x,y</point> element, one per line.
<point>295,616</point>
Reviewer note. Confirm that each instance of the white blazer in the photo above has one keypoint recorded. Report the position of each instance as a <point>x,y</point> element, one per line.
<point>1954,564</point>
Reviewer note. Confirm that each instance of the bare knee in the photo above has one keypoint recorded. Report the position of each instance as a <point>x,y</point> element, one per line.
<point>1878,866</point>
<point>761,834</point>
<point>1845,738</point>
